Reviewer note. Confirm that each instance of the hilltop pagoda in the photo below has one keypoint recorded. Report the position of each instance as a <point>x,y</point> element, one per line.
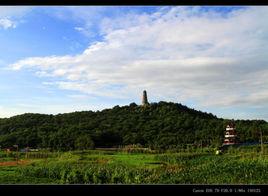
<point>144,98</point>
<point>230,137</point>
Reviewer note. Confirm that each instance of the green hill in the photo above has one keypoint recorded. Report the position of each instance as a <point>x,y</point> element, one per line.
<point>158,125</point>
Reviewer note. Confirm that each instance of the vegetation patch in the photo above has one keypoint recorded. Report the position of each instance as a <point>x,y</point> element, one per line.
<point>87,167</point>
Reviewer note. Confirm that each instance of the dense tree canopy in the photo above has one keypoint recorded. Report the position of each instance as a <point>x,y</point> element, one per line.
<point>158,125</point>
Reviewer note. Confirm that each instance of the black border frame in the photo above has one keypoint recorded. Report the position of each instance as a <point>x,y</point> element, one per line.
<point>194,189</point>
<point>132,2</point>
<point>134,189</point>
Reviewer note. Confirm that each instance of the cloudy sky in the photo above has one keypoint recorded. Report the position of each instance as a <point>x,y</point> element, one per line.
<point>64,59</point>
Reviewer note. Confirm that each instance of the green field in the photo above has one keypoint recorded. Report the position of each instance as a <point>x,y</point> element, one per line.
<point>236,166</point>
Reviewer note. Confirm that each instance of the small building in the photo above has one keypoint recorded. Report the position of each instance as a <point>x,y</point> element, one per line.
<point>33,150</point>
<point>27,149</point>
<point>10,149</point>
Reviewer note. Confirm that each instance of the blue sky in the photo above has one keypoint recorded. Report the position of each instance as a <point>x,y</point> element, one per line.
<point>65,59</point>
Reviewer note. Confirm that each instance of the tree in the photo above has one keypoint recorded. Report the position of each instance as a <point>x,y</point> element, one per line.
<point>84,142</point>
<point>161,124</point>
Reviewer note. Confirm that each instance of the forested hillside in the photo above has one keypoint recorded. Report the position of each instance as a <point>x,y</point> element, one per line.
<point>158,125</point>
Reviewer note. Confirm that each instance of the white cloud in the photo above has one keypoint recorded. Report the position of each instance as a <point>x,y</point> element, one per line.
<point>6,23</point>
<point>10,16</point>
<point>177,52</point>
<point>79,28</point>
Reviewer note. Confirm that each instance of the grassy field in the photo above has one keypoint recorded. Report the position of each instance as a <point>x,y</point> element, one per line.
<point>236,166</point>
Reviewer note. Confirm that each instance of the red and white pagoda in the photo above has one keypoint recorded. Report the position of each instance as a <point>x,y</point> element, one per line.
<point>230,137</point>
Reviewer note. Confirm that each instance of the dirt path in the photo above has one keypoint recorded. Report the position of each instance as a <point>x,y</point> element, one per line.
<point>14,163</point>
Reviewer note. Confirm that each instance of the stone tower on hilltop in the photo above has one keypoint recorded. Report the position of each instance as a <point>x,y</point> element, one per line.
<point>144,98</point>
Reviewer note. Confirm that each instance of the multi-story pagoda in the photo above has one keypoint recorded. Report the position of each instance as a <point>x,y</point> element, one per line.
<point>230,137</point>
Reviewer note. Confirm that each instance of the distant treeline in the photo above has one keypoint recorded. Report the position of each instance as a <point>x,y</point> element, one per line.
<point>159,125</point>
